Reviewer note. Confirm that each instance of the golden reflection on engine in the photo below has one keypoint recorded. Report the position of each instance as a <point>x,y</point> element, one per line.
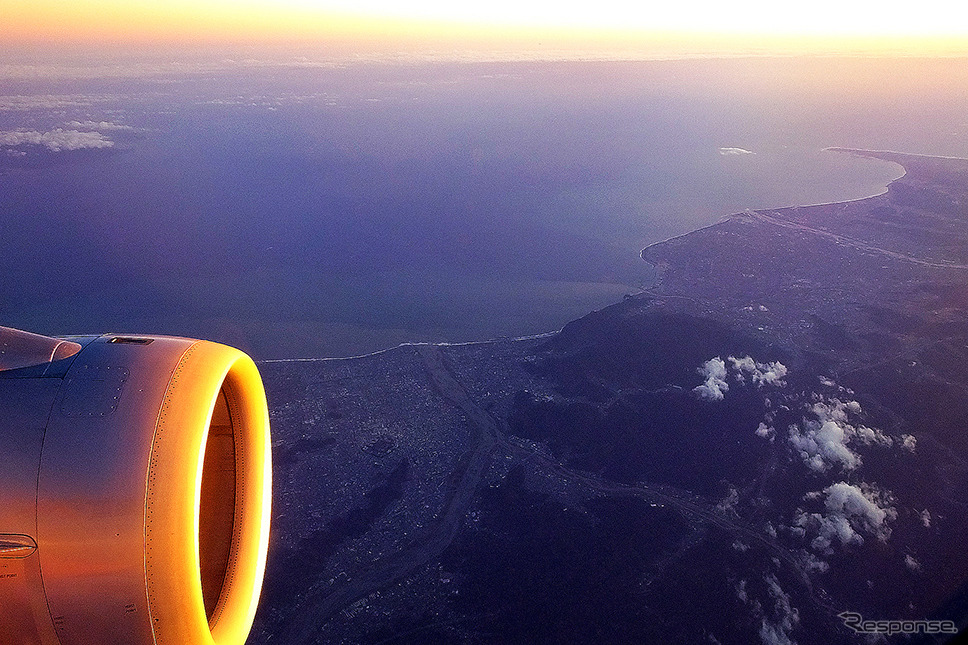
<point>135,491</point>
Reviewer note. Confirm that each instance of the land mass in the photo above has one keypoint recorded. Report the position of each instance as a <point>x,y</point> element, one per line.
<point>771,435</point>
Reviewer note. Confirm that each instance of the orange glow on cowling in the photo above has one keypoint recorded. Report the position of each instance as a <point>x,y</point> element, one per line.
<point>126,512</point>
<point>172,526</point>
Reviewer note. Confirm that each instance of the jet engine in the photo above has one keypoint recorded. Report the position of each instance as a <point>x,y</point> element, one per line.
<point>135,490</point>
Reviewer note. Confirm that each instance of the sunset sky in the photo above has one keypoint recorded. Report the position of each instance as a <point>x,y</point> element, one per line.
<point>931,24</point>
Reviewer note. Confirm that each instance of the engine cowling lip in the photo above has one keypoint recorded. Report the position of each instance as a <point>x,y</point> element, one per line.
<point>171,558</point>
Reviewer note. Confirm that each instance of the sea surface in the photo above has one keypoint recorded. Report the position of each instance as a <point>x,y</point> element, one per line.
<point>333,208</point>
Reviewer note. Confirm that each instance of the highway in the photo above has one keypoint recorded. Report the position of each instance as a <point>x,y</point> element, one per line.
<point>860,245</point>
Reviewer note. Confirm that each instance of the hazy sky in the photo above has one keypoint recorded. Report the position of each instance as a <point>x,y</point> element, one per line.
<point>927,24</point>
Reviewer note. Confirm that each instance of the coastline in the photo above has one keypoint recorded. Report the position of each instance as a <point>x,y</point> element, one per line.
<point>867,152</point>
<point>854,151</point>
<point>487,341</point>
<point>642,255</point>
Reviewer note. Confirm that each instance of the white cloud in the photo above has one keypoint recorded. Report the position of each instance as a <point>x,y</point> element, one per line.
<point>911,563</point>
<point>821,447</point>
<point>797,531</point>
<point>909,441</point>
<point>776,631</point>
<point>97,125</point>
<point>771,373</point>
<point>741,592</point>
<point>822,442</point>
<point>728,504</point>
<point>926,518</point>
<point>715,372</point>
<point>850,512</point>
<point>715,386</point>
<point>812,563</point>
<point>728,152</point>
<point>25,102</point>
<point>55,140</point>
<point>765,431</point>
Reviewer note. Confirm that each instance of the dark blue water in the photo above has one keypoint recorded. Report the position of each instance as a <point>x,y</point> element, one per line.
<point>334,211</point>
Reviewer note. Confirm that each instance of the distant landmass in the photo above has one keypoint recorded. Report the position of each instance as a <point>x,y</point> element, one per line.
<point>772,435</point>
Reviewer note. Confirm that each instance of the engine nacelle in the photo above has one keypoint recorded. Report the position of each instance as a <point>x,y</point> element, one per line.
<point>135,490</point>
